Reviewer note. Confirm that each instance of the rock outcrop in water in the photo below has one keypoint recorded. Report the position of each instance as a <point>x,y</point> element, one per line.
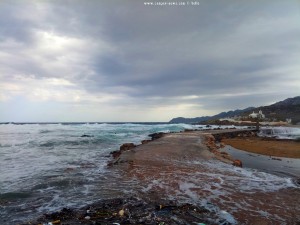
<point>156,135</point>
<point>86,135</point>
<point>127,146</point>
<point>237,163</point>
<point>123,147</point>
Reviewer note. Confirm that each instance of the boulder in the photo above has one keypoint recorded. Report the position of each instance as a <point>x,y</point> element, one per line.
<point>86,135</point>
<point>156,135</point>
<point>237,163</point>
<point>145,141</point>
<point>123,147</point>
<point>127,146</point>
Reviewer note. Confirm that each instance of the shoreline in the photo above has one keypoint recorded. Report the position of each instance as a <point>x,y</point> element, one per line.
<point>154,161</point>
<point>128,210</point>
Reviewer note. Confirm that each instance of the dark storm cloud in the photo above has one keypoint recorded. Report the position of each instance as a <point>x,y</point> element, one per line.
<point>184,51</point>
<point>229,48</point>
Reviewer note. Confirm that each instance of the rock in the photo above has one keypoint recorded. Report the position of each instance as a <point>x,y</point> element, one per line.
<point>115,154</point>
<point>277,159</point>
<point>121,212</point>
<point>145,141</point>
<point>237,163</point>
<point>222,145</point>
<point>156,135</point>
<point>123,147</point>
<point>69,170</point>
<point>86,135</point>
<point>131,211</point>
<point>127,146</point>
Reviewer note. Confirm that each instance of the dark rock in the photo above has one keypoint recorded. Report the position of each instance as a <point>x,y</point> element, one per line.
<point>134,211</point>
<point>277,159</point>
<point>297,181</point>
<point>127,146</point>
<point>86,135</point>
<point>115,154</point>
<point>145,141</point>
<point>237,163</point>
<point>233,134</point>
<point>123,147</point>
<point>156,135</point>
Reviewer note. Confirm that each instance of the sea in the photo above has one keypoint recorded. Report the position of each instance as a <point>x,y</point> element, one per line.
<point>45,167</point>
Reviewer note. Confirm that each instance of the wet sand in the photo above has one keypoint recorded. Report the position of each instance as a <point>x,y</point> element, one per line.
<point>269,147</point>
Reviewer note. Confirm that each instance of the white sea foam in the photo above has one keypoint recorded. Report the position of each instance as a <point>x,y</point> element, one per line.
<point>280,132</point>
<point>227,216</point>
<point>247,179</point>
<point>214,182</point>
<point>30,151</point>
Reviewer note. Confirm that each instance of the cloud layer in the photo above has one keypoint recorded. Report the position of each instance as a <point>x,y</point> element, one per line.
<point>125,61</point>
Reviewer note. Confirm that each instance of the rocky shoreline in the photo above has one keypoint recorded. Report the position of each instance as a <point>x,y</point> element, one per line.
<point>146,161</point>
<point>129,211</point>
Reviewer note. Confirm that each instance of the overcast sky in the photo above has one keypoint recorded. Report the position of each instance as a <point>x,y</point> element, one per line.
<point>126,61</point>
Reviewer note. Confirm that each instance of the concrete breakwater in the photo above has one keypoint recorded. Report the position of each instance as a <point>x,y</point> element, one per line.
<point>186,167</point>
<point>211,139</point>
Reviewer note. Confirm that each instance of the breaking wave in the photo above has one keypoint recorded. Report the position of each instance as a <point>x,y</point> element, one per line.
<point>280,132</point>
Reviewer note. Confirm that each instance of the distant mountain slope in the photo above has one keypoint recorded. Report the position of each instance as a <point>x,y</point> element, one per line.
<point>205,118</point>
<point>288,108</point>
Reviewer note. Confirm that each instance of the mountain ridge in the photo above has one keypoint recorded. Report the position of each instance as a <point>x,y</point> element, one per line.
<point>230,113</point>
<point>288,108</point>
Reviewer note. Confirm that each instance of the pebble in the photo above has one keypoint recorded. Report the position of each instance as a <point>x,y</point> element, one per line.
<point>121,212</point>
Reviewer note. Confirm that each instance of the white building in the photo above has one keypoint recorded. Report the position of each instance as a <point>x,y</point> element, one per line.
<point>258,115</point>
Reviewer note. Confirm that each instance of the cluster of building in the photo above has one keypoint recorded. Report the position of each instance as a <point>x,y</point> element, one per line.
<point>258,115</point>
<point>253,115</point>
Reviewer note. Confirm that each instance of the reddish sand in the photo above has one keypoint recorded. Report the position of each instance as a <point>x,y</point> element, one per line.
<point>278,148</point>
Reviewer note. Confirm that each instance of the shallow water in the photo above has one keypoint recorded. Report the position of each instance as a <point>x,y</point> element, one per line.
<point>238,195</point>
<point>276,165</point>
